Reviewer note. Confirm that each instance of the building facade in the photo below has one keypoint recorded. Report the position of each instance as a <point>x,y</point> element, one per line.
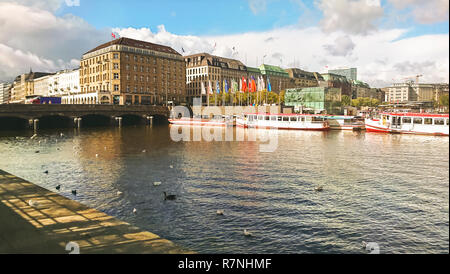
<point>279,79</point>
<point>204,67</point>
<point>332,80</point>
<point>23,86</point>
<point>41,86</point>
<point>5,92</point>
<point>411,91</point>
<point>302,78</point>
<point>315,99</point>
<point>134,72</point>
<point>349,73</point>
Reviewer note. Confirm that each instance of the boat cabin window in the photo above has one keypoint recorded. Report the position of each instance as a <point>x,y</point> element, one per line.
<point>428,121</point>
<point>317,119</point>
<point>406,120</point>
<point>260,117</point>
<point>447,121</point>
<point>439,122</point>
<point>303,119</point>
<point>294,119</point>
<point>273,118</point>
<point>285,119</point>
<point>417,121</point>
<point>267,118</point>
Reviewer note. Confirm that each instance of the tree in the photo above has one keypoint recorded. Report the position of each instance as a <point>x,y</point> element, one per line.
<point>346,101</point>
<point>443,100</point>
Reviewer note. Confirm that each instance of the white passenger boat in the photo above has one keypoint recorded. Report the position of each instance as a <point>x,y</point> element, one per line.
<point>282,121</point>
<point>409,123</point>
<point>220,121</point>
<point>345,122</point>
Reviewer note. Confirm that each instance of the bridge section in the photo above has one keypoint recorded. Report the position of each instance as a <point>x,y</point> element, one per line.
<point>33,113</point>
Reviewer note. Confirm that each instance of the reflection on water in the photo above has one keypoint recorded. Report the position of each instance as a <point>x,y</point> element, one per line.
<point>389,189</point>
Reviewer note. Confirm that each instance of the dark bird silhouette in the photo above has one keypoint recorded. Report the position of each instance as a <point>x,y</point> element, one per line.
<point>46,172</point>
<point>58,187</point>
<point>74,192</point>
<point>169,197</point>
<point>37,151</point>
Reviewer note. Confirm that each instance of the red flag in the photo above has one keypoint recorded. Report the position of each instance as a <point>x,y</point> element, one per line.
<point>113,35</point>
<point>253,85</point>
<point>244,84</point>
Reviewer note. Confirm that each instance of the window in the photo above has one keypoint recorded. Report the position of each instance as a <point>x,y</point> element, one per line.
<point>116,76</point>
<point>428,121</point>
<point>260,117</point>
<point>285,119</point>
<point>116,66</point>
<point>115,56</point>
<point>446,121</point>
<point>116,87</point>
<point>273,118</point>
<point>293,119</point>
<point>417,121</point>
<point>406,120</point>
<point>439,122</point>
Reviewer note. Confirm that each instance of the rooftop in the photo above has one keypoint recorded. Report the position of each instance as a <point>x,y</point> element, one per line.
<point>137,44</point>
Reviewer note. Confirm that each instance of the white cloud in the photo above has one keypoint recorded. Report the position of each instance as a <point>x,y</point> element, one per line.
<point>350,16</point>
<point>15,62</point>
<point>342,46</point>
<point>378,57</point>
<point>425,12</point>
<point>34,31</point>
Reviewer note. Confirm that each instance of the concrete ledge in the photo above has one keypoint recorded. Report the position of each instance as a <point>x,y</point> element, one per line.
<point>56,221</point>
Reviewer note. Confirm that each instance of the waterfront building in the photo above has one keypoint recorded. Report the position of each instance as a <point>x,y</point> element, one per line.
<point>349,73</point>
<point>5,92</point>
<point>360,89</point>
<point>23,86</point>
<point>332,80</point>
<point>204,67</point>
<point>315,99</point>
<point>278,77</point>
<point>41,85</point>
<point>411,91</point>
<point>302,78</point>
<point>134,72</point>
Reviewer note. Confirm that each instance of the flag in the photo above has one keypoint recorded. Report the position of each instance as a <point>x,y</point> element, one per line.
<point>183,50</point>
<point>203,88</point>
<point>269,87</point>
<point>113,35</point>
<point>240,85</point>
<point>253,84</point>
<point>263,83</point>
<point>210,88</point>
<point>244,85</point>
<point>226,86</point>
<point>217,87</point>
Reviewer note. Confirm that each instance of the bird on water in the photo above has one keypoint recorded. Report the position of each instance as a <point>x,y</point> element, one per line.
<point>247,233</point>
<point>169,197</point>
<point>58,187</point>
<point>219,212</point>
<point>46,172</point>
<point>319,188</point>
<point>74,192</point>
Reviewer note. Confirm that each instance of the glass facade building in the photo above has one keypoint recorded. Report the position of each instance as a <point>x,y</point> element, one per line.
<point>317,99</point>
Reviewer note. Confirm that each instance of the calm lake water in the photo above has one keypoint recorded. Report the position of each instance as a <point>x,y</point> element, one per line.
<point>388,189</point>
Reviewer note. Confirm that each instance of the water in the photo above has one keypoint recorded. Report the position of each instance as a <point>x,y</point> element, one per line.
<point>388,189</point>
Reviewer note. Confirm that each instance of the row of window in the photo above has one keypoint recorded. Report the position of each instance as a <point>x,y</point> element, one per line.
<point>424,121</point>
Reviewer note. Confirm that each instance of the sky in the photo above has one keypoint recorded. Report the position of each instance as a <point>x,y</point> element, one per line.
<point>387,40</point>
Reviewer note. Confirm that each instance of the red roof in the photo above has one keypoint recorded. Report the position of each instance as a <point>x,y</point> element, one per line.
<point>429,115</point>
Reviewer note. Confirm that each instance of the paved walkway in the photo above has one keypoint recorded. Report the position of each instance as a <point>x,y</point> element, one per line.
<point>56,221</point>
